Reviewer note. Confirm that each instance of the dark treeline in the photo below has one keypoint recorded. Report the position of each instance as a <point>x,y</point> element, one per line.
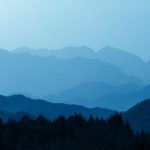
<point>73,133</point>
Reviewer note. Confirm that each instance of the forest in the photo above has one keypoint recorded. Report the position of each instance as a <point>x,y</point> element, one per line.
<point>71,133</point>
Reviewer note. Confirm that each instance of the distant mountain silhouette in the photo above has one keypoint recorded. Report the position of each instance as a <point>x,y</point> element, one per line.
<point>71,52</point>
<point>94,94</point>
<point>37,52</point>
<point>40,76</point>
<point>129,63</point>
<point>97,89</point>
<point>122,101</point>
<point>90,90</point>
<point>67,52</point>
<point>19,103</point>
<point>139,116</point>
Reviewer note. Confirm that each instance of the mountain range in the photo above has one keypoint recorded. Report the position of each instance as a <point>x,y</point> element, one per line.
<point>110,78</point>
<point>93,94</point>
<point>65,53</point>
<point>127,62</point>
<point>119,98</point>
<point>40,76</point>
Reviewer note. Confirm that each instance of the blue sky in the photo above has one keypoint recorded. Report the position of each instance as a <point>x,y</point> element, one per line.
<point>55,24</point>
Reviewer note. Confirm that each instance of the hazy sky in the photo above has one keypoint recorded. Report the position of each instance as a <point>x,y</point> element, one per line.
<point>58,23</point>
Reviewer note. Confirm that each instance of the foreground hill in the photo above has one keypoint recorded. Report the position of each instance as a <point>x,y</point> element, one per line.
<point>18,103</point>
<point>15,107</point>
<point>5,115</point>
<point>139,116</point>
<point>72,133</point>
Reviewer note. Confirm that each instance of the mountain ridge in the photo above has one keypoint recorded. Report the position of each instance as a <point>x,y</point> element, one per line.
<point>139,116</point>
<point>131,64</point>
<point>40,76</point>
<point>93,94</point>
<point>35,107</point>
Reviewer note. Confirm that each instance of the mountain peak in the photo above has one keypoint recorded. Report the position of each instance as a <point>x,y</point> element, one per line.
<point>117,52</point>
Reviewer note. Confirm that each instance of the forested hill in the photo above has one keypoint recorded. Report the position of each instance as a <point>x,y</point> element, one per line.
<point>73,133</point>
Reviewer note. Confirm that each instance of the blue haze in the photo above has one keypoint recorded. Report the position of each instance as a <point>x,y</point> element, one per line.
<point>55,24</point>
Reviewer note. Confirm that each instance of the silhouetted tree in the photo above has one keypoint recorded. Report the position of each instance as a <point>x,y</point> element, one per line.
<point>72,133</point>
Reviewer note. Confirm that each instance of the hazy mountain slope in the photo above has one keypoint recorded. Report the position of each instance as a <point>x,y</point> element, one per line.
<point>88,90</point>
<point>39,76</point>
<point>94,94</point>
<point>123,101</point>
<point>67,52</point>
<point>37,52</point>
<point>71,52</point>
<point>139,116</point>
<point>96,89</point>
<point>127,62</point>
<point>20,103</point>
